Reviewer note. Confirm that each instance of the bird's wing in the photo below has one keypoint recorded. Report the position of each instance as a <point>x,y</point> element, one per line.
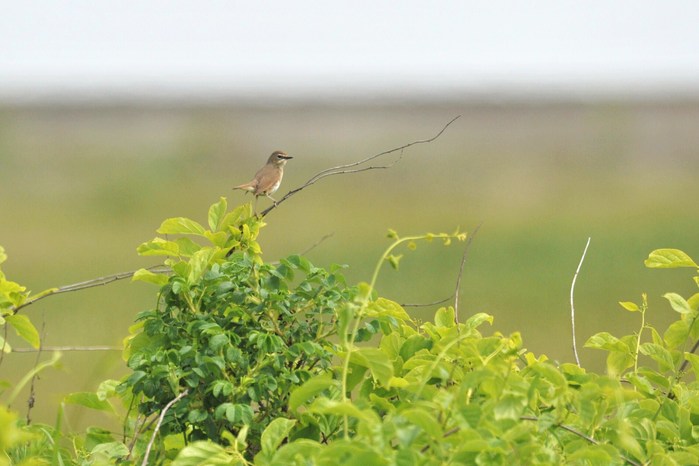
<point>268,181</point>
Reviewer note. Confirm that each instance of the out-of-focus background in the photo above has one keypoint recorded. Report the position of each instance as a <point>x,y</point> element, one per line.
<point>577,120</point>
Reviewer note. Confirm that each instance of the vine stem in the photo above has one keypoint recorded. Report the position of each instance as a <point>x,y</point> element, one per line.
<point>362,307</point>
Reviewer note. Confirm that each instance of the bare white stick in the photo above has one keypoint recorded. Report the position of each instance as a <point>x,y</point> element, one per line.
<point>572,305</point>
<point>160,421</point>
<point>67,348</point>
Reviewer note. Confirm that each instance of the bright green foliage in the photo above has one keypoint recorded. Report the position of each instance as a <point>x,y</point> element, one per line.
<point>249,362</point>
<point>13,295</point>
<point>239,334</point>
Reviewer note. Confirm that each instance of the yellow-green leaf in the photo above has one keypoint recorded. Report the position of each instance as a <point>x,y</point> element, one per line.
<point>629,306</point>
<point>376,361</point>
<point>310,388</point>
<point>180,226</point>
<point>445,317</point>
<point>274,434</point>
<point>216,213</point>
<point>158,247</point>
<point>147,276</point>
<point>24,328</point>
<point>669,259</point>
<point>88,400</point>
<point>678,303</point>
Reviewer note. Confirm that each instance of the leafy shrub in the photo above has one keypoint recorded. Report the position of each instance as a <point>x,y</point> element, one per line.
<point>247,362</point>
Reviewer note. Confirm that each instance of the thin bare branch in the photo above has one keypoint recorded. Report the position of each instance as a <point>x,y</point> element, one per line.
<point>349,167</point>
<point>100,281</point>
<point>67,348</point>
<point>160,421</point>
<point>572,305</point>
<point>316,244</point>
<point>461,272</point>
<point>32,387</point>
<point>434,303</point>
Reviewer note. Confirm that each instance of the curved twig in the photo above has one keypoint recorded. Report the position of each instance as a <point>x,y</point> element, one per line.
<point>572,305</point>
<point>349,167</point>
<point>461,272</point>
<point>160,421</point>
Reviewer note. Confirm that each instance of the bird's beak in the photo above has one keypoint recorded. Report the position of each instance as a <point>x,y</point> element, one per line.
<point>285,157</point>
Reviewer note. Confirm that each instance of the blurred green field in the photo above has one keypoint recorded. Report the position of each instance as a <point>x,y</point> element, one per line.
<point>82,185</point>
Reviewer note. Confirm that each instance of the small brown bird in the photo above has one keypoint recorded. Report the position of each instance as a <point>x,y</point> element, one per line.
<point>268,178</point>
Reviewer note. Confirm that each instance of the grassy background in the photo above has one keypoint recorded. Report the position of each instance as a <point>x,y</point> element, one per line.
<point>81,186</point>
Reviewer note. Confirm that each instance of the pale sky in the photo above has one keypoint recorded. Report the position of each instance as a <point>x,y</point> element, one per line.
<point>206,48</point>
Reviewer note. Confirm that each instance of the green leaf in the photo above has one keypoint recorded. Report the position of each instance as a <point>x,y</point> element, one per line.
<point>274,435</point>
<point>676,334</point>
<point>669,259</point>
<point>180,226</point>
<point>344,408</point>
<point>694,361</point>
<point>477,320</point>
<point>394,260</point>
<point>239,413</point>
<point>510,406</point>
<point>309,389</point>
<point>376,361</point>
<point>187,247</point>
<point>204,453</point>
<point>629,306</point>
<point>693,302</point>
<point>110,451</point>
<point>445,317</point>
<point>216,213</point>
<point>292,451</point>
<point>659,355</point>
<point>147,276</point>
<point>107,389</point>
<point>88,400</point>
<point>606,341</point>
<point>158,247</point>
<point>678,303</point>
<point>414,344</point>
<point>5,347</point>
<point>386,307</point>
<point>348,453</point>
<point>618,362</point>
<point>424,419</point>
<point>24,328</point>
<point>234,217</point>
<point>199,263</point>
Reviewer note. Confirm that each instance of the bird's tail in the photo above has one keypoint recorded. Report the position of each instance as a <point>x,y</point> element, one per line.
<point>247,186</point>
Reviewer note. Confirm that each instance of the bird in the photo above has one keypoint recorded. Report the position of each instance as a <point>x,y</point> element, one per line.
<point>268,178</point>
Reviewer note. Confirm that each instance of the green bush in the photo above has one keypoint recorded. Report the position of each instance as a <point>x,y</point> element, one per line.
<point>247,362</point>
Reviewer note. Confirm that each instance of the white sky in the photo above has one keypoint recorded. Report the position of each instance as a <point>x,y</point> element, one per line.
<point>329,47</point>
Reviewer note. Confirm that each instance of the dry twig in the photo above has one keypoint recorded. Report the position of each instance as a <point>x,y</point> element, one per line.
<point>350,167</point>
<point>461,272</point>
<point>100,281</point>
<point>66,348</point>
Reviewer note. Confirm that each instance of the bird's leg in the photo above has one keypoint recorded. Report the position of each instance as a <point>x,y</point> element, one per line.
<point>273,200</point>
